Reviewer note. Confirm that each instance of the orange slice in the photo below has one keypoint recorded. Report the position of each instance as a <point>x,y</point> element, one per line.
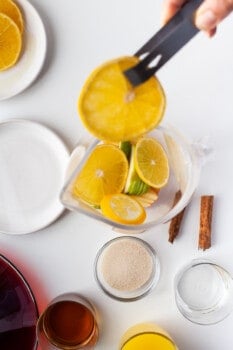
<point>123,209</point>
<point>104,172</point>
<point>10,42</point>
<point>113,110</point>
<point>151,162</point>
<point>10,9</point>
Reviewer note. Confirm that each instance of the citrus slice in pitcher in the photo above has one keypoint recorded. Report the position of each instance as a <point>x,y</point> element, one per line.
<point>134,185</point>
<point>123,209</point>
<point>151,162</point>
<point>10,42</point>
<point>10,9</point>
<point>104,172</point>
<point>148,198</point>
<point>112,109</point>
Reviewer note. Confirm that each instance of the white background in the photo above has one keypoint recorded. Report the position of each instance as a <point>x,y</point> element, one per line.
<point>198,83</point>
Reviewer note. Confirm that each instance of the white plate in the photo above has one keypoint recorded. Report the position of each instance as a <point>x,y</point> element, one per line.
<point>32,161</point>
<point>18,78</point>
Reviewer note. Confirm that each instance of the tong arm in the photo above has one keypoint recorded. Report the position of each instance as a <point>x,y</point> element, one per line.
<point>164,44</point>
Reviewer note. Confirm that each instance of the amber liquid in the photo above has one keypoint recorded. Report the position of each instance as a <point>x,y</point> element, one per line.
<point>69,324</point>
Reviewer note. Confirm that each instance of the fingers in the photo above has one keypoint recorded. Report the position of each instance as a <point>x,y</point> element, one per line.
<point>211,12</point>
<point>212,32</point>
<point>170,7</point>
<point>208,16</point>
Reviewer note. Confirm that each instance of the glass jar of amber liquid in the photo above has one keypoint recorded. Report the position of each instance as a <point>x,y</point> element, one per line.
<point>68,323</point>
<point>146,336</point>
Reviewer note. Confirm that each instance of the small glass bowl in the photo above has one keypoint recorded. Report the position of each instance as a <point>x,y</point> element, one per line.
<point>115,261</point>
<point>185,161</point>
<point>204,292</point>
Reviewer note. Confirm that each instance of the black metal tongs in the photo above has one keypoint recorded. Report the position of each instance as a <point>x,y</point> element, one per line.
<point>164,44</point>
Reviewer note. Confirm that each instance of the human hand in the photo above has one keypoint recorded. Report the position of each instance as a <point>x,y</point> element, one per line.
<point>208,15</point>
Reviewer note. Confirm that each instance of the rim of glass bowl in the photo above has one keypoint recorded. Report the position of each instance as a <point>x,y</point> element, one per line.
<point>194,161</point>
<point>143,290</point>
<point>185,309</point>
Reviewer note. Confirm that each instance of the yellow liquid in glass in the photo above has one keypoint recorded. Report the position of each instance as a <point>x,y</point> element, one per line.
<point>149,341</point>
<point>147,337</point>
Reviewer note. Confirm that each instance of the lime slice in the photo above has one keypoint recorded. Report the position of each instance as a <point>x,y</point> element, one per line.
<point>126,147</point>
<point>134,185</point>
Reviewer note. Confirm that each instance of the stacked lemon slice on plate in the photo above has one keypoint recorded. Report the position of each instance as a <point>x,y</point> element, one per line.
<point>11,32</point>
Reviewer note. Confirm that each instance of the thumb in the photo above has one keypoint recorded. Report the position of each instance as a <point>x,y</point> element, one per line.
<point>211,12</point>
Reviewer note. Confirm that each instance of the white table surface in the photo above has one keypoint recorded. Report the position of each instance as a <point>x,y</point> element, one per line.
<point>198,83</point>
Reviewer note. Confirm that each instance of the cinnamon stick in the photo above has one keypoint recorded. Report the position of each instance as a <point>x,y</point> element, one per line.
<point>175,223</point>
<point>206,210</point>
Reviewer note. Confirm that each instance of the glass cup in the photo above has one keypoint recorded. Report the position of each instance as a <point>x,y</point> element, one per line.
<point>146,336</point>
<point>68,323</point>
<point>204,292</point>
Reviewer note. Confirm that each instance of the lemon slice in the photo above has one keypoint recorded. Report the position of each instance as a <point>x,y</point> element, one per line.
<point>112,109</point>
<point>151,162</point>
<point>123,209</point>
<point>104,172</point>
<point>10,42</point>
<point>10,9</point>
